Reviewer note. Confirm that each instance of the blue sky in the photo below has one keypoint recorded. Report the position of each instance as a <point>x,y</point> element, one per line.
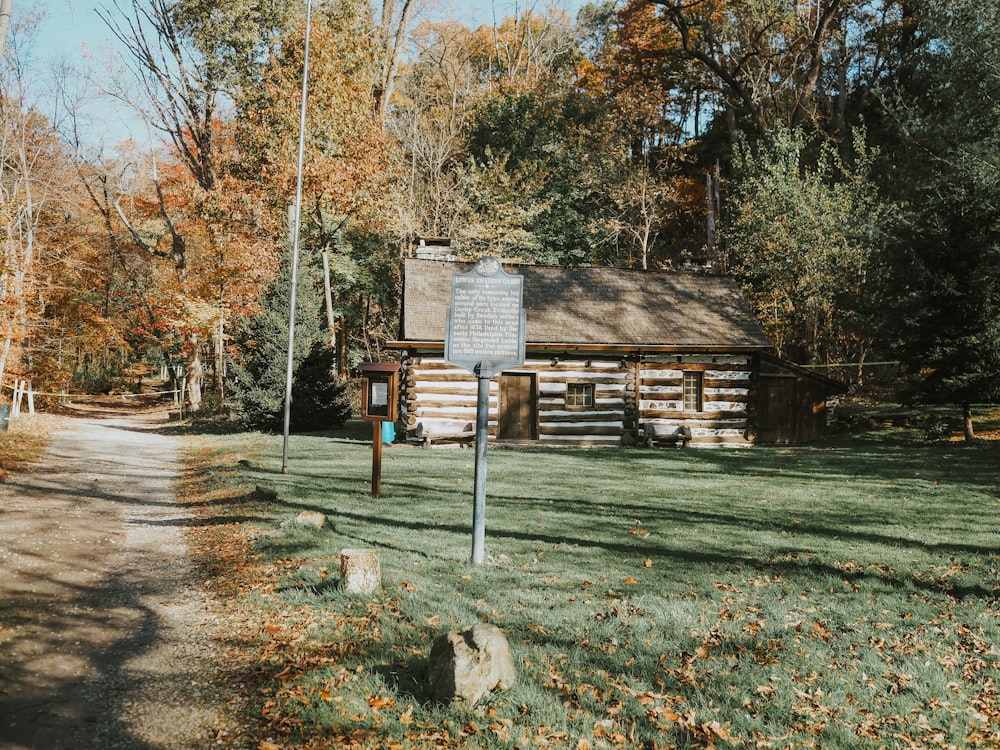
<point>69,28</point>
<point>73,24</point>
<point>72,31</point>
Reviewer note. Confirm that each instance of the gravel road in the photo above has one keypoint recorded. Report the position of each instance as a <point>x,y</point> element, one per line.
<point>107,638</point>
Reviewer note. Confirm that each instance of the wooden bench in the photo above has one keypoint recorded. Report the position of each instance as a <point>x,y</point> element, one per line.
<point>426,437</point>
<point>660,434</point>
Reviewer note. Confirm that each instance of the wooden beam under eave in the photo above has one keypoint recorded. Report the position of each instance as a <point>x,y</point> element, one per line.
<point>610,348</point>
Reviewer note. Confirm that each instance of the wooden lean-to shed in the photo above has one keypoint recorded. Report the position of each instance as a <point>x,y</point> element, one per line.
<point>613,357</point>
<point>792,402</point>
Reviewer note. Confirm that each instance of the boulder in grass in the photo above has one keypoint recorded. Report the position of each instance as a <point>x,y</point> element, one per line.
<point>266,493</point>
<point>466,666</point>
<point>311,518</point>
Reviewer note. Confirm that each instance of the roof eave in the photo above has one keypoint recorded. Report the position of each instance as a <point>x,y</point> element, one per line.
<point>618,348</point>
<point>835,385</point>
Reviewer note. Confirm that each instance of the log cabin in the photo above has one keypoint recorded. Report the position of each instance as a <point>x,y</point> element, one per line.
<point>613,357</point>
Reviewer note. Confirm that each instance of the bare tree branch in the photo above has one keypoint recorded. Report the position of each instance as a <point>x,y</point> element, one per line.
<point>182,91</point>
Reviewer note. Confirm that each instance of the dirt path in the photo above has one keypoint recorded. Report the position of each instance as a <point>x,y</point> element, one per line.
<point>106,638</point>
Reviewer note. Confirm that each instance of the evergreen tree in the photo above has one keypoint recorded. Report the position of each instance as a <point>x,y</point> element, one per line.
<point>260,370</point>
<point>319,398</point>
<point>946,259</point>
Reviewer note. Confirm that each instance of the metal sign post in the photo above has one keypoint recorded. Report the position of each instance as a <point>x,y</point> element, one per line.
<point>484,333</point>
<point>483,376</point>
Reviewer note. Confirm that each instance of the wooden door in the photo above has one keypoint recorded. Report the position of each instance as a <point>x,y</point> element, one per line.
<point>517,418</point>
<point>776,417</point>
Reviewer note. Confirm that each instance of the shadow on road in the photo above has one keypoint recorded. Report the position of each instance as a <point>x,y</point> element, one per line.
<point>95,586</point>
<point>66,683</point>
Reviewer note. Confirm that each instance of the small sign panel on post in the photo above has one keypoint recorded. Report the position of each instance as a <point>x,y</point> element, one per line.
<point>485,334</point>
<point>378,405</point>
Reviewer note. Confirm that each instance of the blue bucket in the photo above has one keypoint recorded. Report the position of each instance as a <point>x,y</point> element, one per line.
<point>388,432</point>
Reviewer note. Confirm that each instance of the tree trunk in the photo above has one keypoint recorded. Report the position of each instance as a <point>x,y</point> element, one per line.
<point>970,433</point>
<point>712,205</point>
<point>219,351</point>
<point>393,39</point>
<point>341,349</point>
<point>5,11</point>
<point>815,68</point>
<point>331,322</point>
<point>4,353</point>
<point>193,371</point>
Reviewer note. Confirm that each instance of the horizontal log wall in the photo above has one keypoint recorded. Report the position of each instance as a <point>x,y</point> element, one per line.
<point>727,393</point>
<point>441,399</point>
<point>601,424</point>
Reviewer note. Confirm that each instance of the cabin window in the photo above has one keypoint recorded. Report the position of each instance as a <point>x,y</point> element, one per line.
<point>692,391</point>
<point>579,395</point>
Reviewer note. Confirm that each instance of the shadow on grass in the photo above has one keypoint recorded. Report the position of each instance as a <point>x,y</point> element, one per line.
<point>756,534</point>
<point>353,431</point>
<point>823,521</point>
<point>867,523</point>
<point>795,561</point>
<point>407,678</point>
<point>202,521</point>
<point>242,501</point>
<point>877,458</point>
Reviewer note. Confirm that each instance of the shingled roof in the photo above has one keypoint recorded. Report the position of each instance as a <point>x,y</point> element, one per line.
<point>596,306</point>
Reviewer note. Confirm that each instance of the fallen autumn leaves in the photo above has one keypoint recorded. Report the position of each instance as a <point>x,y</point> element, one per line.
<point>822,631</point>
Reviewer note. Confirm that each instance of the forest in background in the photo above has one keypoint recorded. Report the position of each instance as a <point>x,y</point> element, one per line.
<point>840,158</point>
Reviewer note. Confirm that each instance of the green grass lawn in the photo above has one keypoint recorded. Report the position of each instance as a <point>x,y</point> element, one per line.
<point>842,595</point>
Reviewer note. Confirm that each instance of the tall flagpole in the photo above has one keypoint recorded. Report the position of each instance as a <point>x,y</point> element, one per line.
<point>295,241</point>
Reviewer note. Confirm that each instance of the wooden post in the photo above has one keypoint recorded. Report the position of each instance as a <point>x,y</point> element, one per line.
<point>378,404</point>
<point>376,459</point>
<point>31,399</point>
<point>15,409</point>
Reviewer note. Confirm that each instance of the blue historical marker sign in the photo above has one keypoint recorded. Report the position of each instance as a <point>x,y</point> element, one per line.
<point>484,333</point>
<point>484,330</point>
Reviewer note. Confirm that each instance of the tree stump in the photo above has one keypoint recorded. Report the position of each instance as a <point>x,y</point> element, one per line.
<point>360,572</point>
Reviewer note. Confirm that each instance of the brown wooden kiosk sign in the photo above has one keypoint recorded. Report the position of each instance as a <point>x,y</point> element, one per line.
<point>484,334</point>
<point>379,397</point>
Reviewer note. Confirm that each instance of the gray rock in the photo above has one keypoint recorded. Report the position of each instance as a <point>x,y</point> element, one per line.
<point>306,518</point>
<point>465,666</point>
<point>311,518</point>
<point>267,493</point>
